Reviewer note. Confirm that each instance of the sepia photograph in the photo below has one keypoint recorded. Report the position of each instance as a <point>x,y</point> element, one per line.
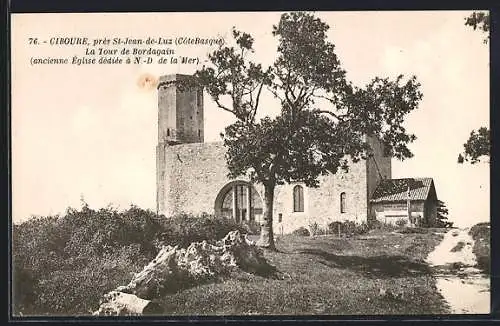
<point>303,163</point>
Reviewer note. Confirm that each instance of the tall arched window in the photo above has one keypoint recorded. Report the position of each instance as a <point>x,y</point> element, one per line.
<point>342,203</point>
<point>298,199</point>
<point>240,201</point>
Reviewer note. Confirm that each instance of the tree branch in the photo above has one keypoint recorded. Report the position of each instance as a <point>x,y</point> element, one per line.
<point>257,101</point>
<point>216,100</point>
<point>339,118</point>
<point>275,94</point>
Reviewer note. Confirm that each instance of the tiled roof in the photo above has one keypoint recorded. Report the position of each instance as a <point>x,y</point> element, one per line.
<point>396,189</point>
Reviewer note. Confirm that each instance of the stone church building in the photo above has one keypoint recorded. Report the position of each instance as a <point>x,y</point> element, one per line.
<point>192,178</point>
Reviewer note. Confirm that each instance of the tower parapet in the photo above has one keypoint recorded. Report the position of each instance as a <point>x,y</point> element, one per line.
<point>180,111</point>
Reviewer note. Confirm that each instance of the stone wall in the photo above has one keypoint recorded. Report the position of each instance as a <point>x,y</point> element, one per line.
<point>180,113</point>
<point>322,204</point>
<point>191,176</point>
<point>190,115</point>
<point>194,175</point>
<point>378,166</point>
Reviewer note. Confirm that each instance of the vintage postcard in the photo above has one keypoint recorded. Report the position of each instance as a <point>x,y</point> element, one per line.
<point>250,163</point>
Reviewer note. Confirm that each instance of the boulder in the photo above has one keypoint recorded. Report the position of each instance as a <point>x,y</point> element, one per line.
<point>124,304</point>
<point>175,269</point>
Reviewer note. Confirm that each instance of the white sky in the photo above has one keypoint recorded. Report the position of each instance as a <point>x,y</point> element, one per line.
<point>91,130</point>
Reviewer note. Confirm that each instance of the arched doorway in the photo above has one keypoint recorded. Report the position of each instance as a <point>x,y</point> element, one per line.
<point>240,201</point>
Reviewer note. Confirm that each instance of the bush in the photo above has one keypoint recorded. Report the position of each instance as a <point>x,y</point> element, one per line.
<point>302,231</point>
<point>460,245</point>
<point>481,234</point>
<point>348,228</point>
<point>480,230</point>
<point>362,228</point>
<point>334,227</point>
<point>251,227</point>
<point>401,222</point>
<point>183,229</point>
<point>314,228</point>
<point>64,264</point>
<point>378,225</point>
<point>408,230</point>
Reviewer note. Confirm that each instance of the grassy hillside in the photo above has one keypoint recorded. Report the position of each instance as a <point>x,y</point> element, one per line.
<point>377,273</point>
<point>64,264</point>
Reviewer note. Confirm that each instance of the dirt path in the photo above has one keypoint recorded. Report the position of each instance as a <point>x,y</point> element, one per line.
<point>463,286</point>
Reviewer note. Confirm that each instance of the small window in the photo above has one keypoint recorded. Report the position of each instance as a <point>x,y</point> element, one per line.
<point>168,132</point>
<point>298,199</point>
<point>343,202</point>
<point>200,98</point>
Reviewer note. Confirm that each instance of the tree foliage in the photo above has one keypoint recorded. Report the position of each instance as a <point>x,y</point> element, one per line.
<point>324,118</point>
<point>442,215</point>
<point>477,146</point>
<point>478,143</point>
<point>481,21</point>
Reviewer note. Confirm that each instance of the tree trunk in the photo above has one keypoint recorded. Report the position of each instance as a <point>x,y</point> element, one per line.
<point>266,233</point>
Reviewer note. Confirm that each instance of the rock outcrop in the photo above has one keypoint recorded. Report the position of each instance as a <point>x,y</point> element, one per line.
<point>175,269</point>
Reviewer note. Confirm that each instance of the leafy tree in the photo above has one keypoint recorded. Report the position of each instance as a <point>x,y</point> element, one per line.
<point>442,215</point>
<point>476,147</point>
<point>478,143</point>
<point>303,141</point>
<point>481,21</point>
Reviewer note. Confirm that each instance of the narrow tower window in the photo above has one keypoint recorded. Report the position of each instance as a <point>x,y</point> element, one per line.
<point>200,97</point>
<point>168,132</point>
<point>298,199</point>
<point>342,202</point>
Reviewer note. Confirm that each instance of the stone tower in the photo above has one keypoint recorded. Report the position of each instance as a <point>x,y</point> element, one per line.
<point>180,112</point>
<point>180,121</point>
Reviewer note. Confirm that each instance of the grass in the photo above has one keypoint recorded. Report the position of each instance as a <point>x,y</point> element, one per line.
<point>376,273</point>
<point>459,246</point>
<point>481,235</point>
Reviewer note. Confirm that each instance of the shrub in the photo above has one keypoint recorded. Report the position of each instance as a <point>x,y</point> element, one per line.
<point>302,231</point>
<point>480,230</point>
<point>481,234</point>
<point>183,229</point>
<point>24,290</point>
<point>379,225</point>
<point>460,245</point>
<point>401,222</point>
<point>362,228</point>
<point>314,228</point>
<point>251,227</point>
<point>334,227</point>
<point>352,228</point>
<point>408,230</point>
<point>64,264</point>
<point>348,228</point>
<point>323,231</point>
